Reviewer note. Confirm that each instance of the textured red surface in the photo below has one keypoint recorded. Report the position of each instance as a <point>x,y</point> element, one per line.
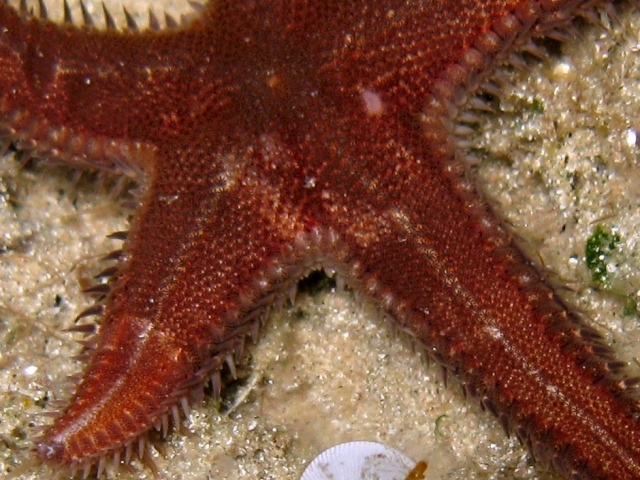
<point>275,137</point>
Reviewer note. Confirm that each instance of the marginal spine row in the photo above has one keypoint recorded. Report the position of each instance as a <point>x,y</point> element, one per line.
<point>455,96</point>
<point>105,19</point>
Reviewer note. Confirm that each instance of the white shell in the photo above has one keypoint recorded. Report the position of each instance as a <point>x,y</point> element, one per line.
<point>359,461</point>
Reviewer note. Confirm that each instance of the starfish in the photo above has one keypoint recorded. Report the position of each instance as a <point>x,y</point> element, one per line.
<point>292,186</point>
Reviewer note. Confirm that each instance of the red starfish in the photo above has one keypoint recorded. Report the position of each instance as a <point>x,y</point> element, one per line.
<point>252,125</point>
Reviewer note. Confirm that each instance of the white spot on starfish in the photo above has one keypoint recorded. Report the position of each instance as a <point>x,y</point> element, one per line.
<point>372,101</point>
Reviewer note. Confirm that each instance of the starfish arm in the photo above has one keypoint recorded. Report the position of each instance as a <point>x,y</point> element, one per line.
<point>101,99</point>
<point>224,269</point>
<point>440,265</point>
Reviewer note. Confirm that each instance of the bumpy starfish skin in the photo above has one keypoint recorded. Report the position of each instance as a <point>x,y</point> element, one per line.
<point>271,138</point>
